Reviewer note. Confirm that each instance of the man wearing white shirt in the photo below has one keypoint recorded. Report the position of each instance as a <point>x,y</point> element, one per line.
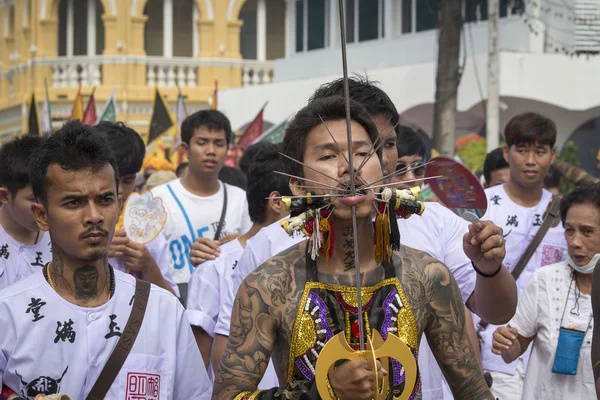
<point>195,204</point>
<point>209,283</point>
<point>24,249</point>
<point>519,207</point>
<point>439,232</point>
<point>61,324</point>
<point>150,262</point>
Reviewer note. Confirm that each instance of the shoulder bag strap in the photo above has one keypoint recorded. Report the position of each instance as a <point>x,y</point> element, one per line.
<point>124,345</point>
<point>223,212</point>
<point>552,215</point>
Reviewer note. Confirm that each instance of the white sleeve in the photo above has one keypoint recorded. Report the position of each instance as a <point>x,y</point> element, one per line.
<point>246,221</point>
<point>191,379</point>
<point>525,319</point>
<point>247,263</point>
<point>160,251</point>
<point>454,256</point>
<point>203,300</point>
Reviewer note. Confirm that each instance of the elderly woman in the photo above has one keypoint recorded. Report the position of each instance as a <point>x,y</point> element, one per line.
<point>555,310</point>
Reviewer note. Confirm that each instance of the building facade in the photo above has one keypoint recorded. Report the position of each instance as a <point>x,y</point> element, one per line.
<point>133,45</point>
<point>548,59</point>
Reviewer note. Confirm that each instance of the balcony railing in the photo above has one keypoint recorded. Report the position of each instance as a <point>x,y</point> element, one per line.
<point>164,72</point>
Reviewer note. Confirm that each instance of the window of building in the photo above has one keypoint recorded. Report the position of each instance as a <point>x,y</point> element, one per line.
<point>311,24</point>
<point>419,15</point>
<point>248,33</point>
<point>80,28</point>
<point>11,20</point>
<point>171,29</point>
<point>364,20</point>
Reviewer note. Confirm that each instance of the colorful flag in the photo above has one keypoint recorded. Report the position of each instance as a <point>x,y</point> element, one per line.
<point>214,99</point>
<point>45,115</point>
<point>33,121</point>
<point>110,109</point>
<point>77,110</point>
<point>252,131</point>
<point>274,134</point>
<point>161,120</point>
<point>90,117</point>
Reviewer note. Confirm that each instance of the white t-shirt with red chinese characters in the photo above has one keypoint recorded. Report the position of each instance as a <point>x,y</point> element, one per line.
<point>49,345</point>
<point>520,225</point>
<point>18,261</point>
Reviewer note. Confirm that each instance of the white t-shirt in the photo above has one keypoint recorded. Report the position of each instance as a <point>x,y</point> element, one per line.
<point>520,225</point>
<point>438,232</point>
<point>539,314</point>
<point>18,261</point>
<point>159,250</point>
<point>49,345</point>
<point>207,288</point>
<point>191,217</point>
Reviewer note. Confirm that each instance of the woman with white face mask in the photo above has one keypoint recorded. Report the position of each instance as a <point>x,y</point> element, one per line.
<point>555,310</point>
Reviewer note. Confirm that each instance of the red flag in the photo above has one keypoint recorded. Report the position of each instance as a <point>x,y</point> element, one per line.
<point>252,131</point>
<point>90,117</point>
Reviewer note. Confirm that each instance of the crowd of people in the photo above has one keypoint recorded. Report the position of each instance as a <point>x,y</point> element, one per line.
<point>498,308</point>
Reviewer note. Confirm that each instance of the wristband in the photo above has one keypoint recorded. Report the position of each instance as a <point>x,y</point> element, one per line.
<point>487,275</point>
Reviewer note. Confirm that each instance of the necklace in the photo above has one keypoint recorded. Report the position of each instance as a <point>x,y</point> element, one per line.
<point>111,292</point>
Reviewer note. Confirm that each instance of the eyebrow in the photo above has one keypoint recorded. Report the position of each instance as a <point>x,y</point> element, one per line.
<point>356,144</point>
<point>72,197</point>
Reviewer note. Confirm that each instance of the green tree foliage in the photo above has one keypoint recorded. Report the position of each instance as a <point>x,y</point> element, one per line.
<point>473,155</point>
<point>568,155</point>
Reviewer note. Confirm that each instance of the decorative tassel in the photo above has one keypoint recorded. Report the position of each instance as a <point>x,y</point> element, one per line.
<point>382,237</point>
<point>327,235</point>
<point>315,239</point>
<point>393,226</point>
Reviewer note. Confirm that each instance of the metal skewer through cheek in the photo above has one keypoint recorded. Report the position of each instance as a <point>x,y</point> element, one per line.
<point>361,329</point>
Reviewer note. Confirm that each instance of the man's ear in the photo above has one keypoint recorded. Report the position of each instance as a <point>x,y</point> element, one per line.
<point>275,203</point>
<point>4,195</point>
<point>40,216</point>
<point>120,200</point>
<point>297,188</point>
<point>186,149</point>
<point>553,155</point>
<point>505,152</point>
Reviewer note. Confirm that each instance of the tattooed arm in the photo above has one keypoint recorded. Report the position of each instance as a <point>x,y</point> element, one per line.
<point>446,332</point>
<point>254,328</point>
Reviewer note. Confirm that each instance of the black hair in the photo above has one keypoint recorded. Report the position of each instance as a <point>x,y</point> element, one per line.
<point>74,147</point>
<point>181,167</point>
<point>581,195</point>
<point>410,143</point>
<point>250,154</point>
<point>262,180</point>
<point>530,128</point>
<point>233,176</point>
<point>325,109</point>
<point>494,161</point>
<point>127,146</point>
<point>212,119</point>
<point>365,92</point>
<point>552,178</point>
<point>15,157</point>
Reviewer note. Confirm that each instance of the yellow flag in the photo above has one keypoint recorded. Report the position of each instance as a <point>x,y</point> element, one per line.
<point>77,111</point>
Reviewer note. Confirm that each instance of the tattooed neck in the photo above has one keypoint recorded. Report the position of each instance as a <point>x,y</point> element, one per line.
<point>344,256</point>
<point>83,282</point>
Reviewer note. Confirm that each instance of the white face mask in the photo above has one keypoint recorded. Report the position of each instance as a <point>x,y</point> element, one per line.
<point>585,269</point>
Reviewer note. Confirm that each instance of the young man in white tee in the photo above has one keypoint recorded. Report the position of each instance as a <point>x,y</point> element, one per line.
<point>24,249</point>
<point>150,262</point>
<point>195,203</point>
<point>438,232</point>
<point>519,207</point>
<point>60,325</point>
<point>210,282</point>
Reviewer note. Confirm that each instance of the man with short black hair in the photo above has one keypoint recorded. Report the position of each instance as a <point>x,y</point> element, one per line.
<point>520,206</point>
<point>24,248</point>
<point>150,262</point>
<point>495,169</point>
<point>210,282</point>
<point>61,325</point>
<point>195,204</point>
